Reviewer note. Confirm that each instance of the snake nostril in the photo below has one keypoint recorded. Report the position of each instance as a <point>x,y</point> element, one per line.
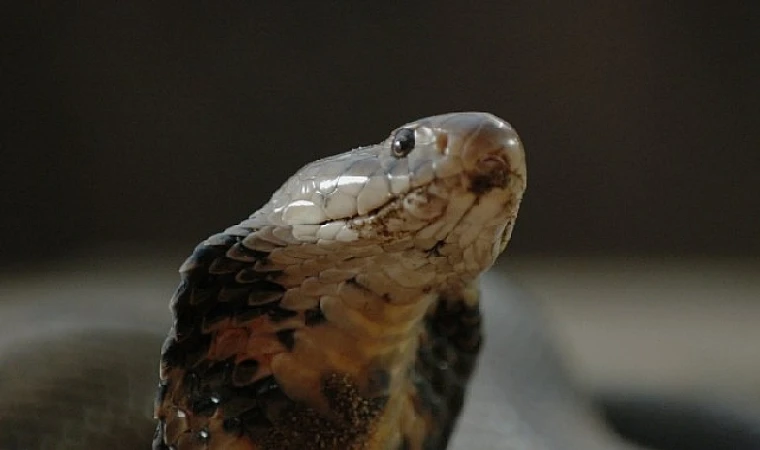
<point>491,171</point>
<point>492,163</point>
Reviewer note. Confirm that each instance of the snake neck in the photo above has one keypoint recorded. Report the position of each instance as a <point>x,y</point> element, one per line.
<point>428,395</point>
<point>360,308</point>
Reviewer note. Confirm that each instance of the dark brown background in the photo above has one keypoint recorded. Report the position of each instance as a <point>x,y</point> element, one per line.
<point>152,124</point>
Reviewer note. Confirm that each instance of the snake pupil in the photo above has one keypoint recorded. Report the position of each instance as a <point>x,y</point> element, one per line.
<point>403,142</point>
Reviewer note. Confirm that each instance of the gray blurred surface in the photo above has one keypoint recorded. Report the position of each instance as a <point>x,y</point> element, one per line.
<point>680,324</point>
<point>151,123</point>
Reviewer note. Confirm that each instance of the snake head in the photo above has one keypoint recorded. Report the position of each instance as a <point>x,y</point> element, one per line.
<point>442,192</point>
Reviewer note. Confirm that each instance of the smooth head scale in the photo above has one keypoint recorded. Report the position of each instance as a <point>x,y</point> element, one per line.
<point>301,325</point>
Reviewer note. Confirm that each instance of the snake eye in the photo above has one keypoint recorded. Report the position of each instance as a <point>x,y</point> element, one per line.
<point>403,142</point>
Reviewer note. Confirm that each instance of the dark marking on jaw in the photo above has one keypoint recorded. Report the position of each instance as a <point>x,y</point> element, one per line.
<point>435,250</point>
<point>482,183</point>
<point>493,172</point>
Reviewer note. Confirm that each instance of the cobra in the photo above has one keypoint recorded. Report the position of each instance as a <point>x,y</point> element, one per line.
<point>343,314</point>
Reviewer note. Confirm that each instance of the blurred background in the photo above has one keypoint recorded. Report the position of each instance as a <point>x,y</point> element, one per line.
<point>131,130</point>
<point>152,125</point>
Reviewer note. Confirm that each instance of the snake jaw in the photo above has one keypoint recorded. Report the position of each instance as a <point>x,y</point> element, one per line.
<point>483,201</point>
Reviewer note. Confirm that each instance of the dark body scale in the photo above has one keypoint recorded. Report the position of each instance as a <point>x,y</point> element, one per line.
<point>219,284</point>
<point>446,359</point>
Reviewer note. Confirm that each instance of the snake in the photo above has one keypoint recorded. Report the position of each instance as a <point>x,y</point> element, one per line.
<point>345,313</point>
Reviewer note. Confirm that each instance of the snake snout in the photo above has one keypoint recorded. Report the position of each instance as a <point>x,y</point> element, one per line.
<point>490,149</point>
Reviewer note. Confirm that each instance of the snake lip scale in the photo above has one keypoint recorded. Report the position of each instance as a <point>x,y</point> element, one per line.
<point>343,314</point>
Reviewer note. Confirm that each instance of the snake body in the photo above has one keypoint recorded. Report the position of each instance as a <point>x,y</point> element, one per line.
<point>343,314</point>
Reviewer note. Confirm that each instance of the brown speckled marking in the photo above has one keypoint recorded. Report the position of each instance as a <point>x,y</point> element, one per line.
<point>306,429</point>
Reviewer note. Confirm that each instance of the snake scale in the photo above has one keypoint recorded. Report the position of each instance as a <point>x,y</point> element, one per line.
<point>343,314</point>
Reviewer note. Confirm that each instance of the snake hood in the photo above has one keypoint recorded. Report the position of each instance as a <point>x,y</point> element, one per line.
<point>343,314</point>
